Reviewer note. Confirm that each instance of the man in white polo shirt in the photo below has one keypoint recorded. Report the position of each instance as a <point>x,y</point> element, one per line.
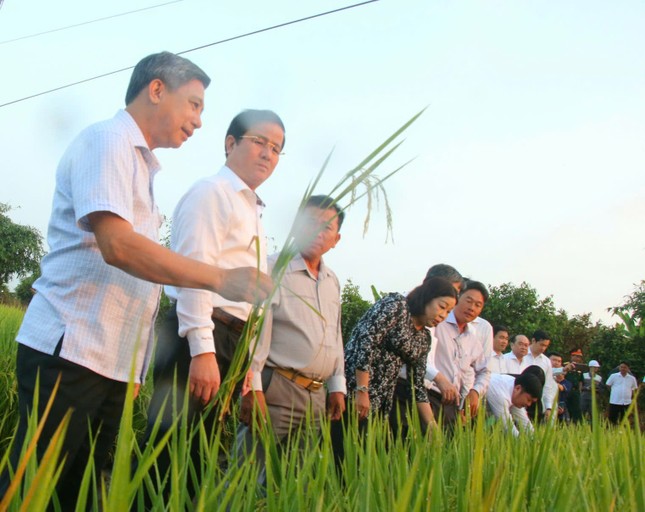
<point>622,386</point>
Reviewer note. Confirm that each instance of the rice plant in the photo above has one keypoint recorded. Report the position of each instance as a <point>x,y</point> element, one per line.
<point>479,467</point>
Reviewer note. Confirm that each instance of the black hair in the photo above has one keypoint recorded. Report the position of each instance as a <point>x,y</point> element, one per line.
<point>500,328</point>
<point>428,290</point>
<point>541,335</point>
<point>326,203</point>
<point>247,119</point>
<point>532,381</point>
<point>476,285</point>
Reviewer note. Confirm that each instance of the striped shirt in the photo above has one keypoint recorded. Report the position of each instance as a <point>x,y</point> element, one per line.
<point>104,315</point>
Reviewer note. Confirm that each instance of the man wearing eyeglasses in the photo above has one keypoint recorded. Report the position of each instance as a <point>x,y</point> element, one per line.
<point>218,221</point>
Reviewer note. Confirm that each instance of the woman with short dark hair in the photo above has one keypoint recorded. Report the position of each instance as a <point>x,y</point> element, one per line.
<point>390,334</point>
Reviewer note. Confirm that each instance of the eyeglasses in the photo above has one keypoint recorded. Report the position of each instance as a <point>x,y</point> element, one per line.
<point>263,143</point>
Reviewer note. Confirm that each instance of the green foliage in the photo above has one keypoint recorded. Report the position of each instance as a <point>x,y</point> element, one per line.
<point>519,308</point>
<point>24,289</point>
<point>353,307</point>
<point>522,310</point>
<point>475,469</point>
<point>21,248</point>
<point>625,341</point>
<point>634,305</point>
<point>10,320</point>
<point>480,468</point>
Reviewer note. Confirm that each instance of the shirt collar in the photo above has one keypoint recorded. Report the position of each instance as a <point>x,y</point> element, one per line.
<point>239,186</point>
<point>138,140</point>
<point>452,320</point>
<point>298,264</point>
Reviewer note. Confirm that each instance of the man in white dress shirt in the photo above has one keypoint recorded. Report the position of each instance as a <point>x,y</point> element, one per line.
<point>539,344</point>
<point>497,363</point>
<point>218,221</point>
<point>515,362</point>
<point>508,397</point>
<point>459,350</point>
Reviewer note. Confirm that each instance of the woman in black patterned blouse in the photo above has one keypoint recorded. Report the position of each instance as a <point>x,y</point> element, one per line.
<point>392,333</point>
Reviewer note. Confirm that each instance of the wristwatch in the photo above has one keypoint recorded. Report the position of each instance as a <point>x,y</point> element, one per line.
<point>365,389</point>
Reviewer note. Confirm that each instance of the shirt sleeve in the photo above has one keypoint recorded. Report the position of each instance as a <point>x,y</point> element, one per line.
<point>337,382</point>
<point>522,419</point>
<point>550,388</point>
<point>482,373</point>
<point>499,407</point>
<point>262,348</point>
<point>198,228</point>
<point>102,177</point>
<point>372,329</point>
<point>419,371</point>
<point>431,368</point>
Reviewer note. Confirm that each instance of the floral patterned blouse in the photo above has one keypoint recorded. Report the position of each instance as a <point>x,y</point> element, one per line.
<point>383,340</point>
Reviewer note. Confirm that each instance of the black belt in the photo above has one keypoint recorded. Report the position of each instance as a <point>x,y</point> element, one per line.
<point>232,322</point>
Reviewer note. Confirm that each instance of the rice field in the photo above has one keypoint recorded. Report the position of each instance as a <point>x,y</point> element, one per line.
<point>570,468</point>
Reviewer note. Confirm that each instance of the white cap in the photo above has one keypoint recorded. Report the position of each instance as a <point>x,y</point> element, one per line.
<point>594,364</point>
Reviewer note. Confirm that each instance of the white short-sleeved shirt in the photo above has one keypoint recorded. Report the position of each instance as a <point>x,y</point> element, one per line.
<point>105,315</point>
<point>622,388</point>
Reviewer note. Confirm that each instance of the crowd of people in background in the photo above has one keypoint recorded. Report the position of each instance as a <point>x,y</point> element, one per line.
<point>89,328</point>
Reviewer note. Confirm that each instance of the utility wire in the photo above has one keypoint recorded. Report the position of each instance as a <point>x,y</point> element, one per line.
<point>85,22</point>
<point>273,27</point>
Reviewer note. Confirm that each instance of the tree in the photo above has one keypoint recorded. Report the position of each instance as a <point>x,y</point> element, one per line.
<point>24,289</point>
<point>626,341</point>
<point>520,309</point>
<point>353,306</point>
<point>21,248</point>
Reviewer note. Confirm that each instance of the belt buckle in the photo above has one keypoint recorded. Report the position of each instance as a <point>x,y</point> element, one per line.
<point>314,385</point>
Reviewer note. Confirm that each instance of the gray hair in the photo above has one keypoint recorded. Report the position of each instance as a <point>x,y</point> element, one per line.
<point>447,272</point>
<point>173,70</point>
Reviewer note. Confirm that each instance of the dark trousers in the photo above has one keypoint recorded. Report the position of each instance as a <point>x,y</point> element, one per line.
<point>448,412</point>
<point>95,401</point>
<point>171,368</point>
<point>536,411</point>
<point>617,413</point>
<point>337,434</point>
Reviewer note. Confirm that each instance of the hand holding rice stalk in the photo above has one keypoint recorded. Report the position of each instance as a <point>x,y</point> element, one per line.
<point>361,175</point>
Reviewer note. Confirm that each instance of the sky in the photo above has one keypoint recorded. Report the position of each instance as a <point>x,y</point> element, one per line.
<point>528,164</point>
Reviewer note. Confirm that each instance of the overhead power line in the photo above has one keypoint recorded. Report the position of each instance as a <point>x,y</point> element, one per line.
<point>29,36</point>
<point>229,39</point>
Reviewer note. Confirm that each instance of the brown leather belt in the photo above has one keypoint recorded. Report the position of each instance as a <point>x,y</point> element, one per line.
<point>232,322</point>
<point>301,380</point>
